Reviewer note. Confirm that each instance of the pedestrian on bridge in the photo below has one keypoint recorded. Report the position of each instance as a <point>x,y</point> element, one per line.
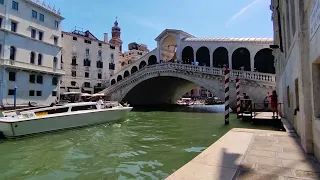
<point>274,102</point>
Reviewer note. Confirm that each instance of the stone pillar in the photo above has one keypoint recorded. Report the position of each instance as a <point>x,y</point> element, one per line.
<point>194,55</point>
<point>252,61</point>
<point>211,59</point>
<point>158,51</point>
<point>230,60</point>
<point>304,80</point>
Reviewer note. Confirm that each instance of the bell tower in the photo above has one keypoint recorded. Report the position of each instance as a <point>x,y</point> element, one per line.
<point>116,33</point>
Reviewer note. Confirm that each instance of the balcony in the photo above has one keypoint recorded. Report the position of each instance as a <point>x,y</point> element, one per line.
<point>30,67</point>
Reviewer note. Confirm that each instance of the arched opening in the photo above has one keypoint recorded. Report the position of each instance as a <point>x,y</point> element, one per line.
<point>220,57</point>
<point>203,56</point>
<point>32,57</point>
<point>13,53</point>
<point>168,49</point>
<point>134,69</point>
<point>241,58</point>
<point>187,55</point>
<point>113,81</point>
<point>264,61</point>
<point>142,64</point>
<point>119,78</point>
<point>152,60</point>
<point>126,74</point>
<point>40,59</point>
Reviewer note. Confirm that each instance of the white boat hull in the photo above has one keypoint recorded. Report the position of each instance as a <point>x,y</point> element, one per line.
<point>64,121</point>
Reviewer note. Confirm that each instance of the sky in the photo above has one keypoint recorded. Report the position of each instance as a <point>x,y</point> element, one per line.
<point>142,21</point>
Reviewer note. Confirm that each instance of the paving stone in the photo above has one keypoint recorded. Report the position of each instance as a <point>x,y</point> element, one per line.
<point>262,153</point>
<point>264,138</point>
<point>301,165</point>
<point>289,178</point>
<point>263,160</point>
<point>289,150</point>
<point>265,147</point>
<point>293,156</point>
<point>253,175</point>
<point>307,174</point>
<point>281,171</point>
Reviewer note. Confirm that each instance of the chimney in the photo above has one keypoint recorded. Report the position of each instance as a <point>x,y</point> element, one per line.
<point>105,37</point>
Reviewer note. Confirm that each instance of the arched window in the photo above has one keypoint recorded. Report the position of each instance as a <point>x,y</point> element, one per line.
<point>12,53</point>
<point>32,57</point>
<point>55,62</point>
<point>40,59</point>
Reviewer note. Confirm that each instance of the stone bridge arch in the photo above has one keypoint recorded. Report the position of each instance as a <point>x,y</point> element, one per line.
<point>164,87</point>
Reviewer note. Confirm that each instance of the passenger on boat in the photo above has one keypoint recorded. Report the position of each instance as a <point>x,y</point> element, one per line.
<point>100,104</point>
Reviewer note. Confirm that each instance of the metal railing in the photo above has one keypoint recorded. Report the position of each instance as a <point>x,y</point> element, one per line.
<point>28,66</point>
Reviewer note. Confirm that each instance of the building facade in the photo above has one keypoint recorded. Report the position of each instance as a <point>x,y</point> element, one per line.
<point>198,93</point>
<point>30,46</point>
<point>297,52</point>
<point>135,52</point>
<point>88,62</point>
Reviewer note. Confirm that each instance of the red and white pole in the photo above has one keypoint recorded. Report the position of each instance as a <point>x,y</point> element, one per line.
<point>226,95</point>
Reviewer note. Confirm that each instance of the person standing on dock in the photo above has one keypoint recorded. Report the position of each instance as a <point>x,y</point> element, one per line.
<point>274,102</point>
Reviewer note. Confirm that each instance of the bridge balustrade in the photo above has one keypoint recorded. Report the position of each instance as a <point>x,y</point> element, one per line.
<point>195,69</point>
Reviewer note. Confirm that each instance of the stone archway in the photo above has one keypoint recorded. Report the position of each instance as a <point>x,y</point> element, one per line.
<point>119,78</point>
<point>241,58</point>
<point>168,49</point>
<point>152,60</point>
<point>113,81</point>
<point>264,61</point>
<point>220,57</point>
<point>126,74</point>
<point>187,55</point>
<point>142,64</point>
<point>203,56</point>
<point>134,69</point>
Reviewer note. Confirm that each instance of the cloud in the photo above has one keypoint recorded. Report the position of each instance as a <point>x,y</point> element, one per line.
<point>241,12</point>
<point>145,22</point>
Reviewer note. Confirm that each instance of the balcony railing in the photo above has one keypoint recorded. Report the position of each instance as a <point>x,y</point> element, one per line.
<point>27,66</point>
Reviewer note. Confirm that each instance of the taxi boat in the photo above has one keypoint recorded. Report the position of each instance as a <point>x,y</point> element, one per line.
<point>36,120</point>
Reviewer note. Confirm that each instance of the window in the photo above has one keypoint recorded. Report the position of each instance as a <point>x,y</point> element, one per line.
<point>15,5</point>
<point>87,41</point>
<point>34,14</point>
<point>100,44</point>
<point>55,63</point>
<point>75,38</point>
<point>112,47</point>
<point>86,74</point>
<point>99,85</point>
<point>73,73</point>
<point>32,78</point>
<point>86,62</point>
<point>33,33</point>
<point>56,24</point>
<point>112,56</point>
<point>12,53</point>
<point>99,53</point>
<point>99,76</point>
<point>39,59</point>
<point>40,35</point>
<point>1,1</point>
<point>87,84</point>
<point>87,51</point>
<point>39,93</point>
<point>31,93</point>
<point>13,26</point>
<point>55,81</point>
<point>0,21</point>
<point>73,83</point>
<point>99,64</point>
<point>10,92</point>
<point>39,79</point>
<point>41,17</point>
<point>55,40</point>
<point>54,93</point>
<point>74,61</point>
<point>12,76</point>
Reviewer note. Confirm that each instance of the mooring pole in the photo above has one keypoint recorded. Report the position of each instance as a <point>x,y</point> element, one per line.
<point>238,95</point>
<point>226,95</point>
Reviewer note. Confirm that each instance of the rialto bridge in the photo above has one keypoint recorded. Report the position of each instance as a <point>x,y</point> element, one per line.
<point>181,62</point>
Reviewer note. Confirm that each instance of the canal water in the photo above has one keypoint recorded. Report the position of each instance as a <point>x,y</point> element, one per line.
<point>149,144</point>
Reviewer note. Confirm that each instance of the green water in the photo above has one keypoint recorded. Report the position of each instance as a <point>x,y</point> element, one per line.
<point>147,145</point>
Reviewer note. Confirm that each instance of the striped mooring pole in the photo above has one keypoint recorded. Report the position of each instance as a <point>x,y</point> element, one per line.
<point>238,95</point>
<point>226,95</point>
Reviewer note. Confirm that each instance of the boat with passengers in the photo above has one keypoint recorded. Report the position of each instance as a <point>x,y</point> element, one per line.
<point>43,119</point>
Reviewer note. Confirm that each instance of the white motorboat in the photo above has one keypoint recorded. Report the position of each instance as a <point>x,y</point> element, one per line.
<point>36,120</point>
